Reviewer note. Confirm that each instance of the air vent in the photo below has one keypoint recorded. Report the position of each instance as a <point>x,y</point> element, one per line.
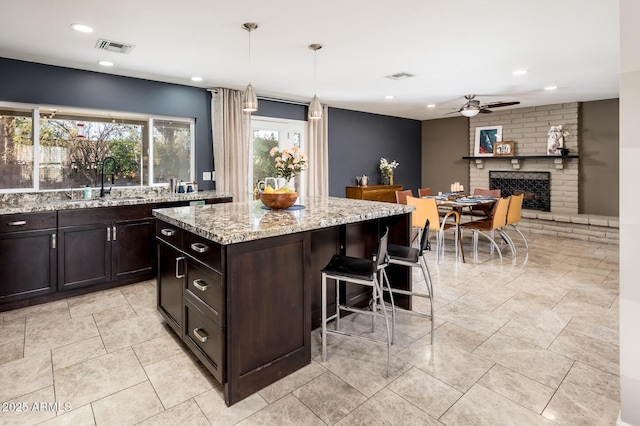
<point>400,76</point>
<point>114,46</point>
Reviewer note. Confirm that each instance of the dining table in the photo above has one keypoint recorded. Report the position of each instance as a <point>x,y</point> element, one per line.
<point>458,201</point>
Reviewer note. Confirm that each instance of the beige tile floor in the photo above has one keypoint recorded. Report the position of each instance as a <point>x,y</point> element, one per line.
<point>535,342</point>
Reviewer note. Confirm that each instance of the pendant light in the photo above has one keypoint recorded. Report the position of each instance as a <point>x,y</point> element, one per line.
<point>250,101</point>
<point>315,109</point>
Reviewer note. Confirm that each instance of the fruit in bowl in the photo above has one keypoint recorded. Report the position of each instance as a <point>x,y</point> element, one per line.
<point>278,199</point>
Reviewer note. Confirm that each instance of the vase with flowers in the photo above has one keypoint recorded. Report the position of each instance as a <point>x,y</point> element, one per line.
<point>289,163</point>
<point>555,140</point>
<point>386,170</point>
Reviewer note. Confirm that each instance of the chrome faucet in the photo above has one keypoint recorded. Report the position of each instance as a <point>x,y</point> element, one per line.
<point>102,190</point>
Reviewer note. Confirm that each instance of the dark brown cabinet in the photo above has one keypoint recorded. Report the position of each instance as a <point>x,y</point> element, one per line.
<point>105,244</point>
<point>27,255</point>
<point>191,296</point>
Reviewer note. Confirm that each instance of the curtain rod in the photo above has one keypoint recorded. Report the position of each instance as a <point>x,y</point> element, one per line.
<point>265,98</point>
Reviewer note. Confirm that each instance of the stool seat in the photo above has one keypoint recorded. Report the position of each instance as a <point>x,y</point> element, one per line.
<point>403,253</point>
<point>352,267</point>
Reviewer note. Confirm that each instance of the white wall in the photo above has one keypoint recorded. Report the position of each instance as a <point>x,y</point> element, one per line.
<point>629,213</point>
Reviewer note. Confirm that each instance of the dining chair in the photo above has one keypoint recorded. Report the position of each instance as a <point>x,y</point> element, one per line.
<point>423,192</point>
<point>414,258</point>
<point>427,208</point>
<point>514,215</point>
<point>401,196</point>
<point>479,211</point>
<point>488,226</point>
<point>360,271</point>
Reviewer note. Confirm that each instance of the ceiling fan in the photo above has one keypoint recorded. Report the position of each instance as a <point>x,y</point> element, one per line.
<point>473,107</point>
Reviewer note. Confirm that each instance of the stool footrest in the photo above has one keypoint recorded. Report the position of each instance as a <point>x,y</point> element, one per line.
<point>343,333</point>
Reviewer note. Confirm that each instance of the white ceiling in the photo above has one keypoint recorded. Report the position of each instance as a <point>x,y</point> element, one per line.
<point>453,47</point>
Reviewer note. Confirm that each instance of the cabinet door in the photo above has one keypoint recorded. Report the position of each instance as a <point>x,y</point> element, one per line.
<point>133,248</point>
<point>171,273</point>
<point>27,264</point>
<point>84,255</point>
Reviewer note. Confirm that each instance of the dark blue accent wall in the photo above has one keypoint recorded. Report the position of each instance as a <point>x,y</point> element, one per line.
<point>34,83</point>
<point>358,140</point>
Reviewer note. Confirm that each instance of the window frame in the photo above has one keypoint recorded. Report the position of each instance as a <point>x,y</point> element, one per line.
<point>146,179</point>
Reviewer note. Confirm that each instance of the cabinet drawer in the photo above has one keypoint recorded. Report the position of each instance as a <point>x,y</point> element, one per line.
<point>169,233</point>
<point>206,251</point>
<point>370,195</point>
<point>207,336</point>
<point>27,221</point>
<point>206,285</point>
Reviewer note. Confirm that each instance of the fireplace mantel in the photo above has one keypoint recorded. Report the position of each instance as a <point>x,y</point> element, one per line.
<point>515,159</point>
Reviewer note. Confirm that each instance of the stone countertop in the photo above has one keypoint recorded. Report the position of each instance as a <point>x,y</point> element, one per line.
<point>231,223</point>
<point>59,200</point>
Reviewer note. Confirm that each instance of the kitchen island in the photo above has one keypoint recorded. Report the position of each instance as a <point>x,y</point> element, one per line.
<point>241,285</point>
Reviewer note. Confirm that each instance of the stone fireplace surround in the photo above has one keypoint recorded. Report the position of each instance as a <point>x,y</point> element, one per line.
<point>528,127</point>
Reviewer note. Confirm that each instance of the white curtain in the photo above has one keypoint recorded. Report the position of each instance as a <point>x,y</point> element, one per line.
<point>231,130</point>
<point>318,155</point>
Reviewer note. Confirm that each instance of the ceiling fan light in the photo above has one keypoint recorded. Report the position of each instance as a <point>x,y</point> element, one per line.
<point>250,101</point>
<point>315,109</point>
<point>470,112</point>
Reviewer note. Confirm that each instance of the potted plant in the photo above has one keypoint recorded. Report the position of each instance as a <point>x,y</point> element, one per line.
<point>386,170</point>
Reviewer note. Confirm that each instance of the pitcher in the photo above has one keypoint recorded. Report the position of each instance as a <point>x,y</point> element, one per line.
<point>268,181</point>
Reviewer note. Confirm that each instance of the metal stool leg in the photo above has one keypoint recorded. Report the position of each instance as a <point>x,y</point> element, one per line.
<point>324,317</point>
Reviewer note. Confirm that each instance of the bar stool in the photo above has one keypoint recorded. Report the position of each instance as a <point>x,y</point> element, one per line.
<point>357,271</point>
<point>414,258</point>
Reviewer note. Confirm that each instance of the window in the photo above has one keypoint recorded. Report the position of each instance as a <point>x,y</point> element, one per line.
<point>269,133</point>
<point>67,148</point>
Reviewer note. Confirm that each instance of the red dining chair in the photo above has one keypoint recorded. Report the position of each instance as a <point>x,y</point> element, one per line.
<point>401,196</point>
<point>423,192</point>
<point>479,211</point>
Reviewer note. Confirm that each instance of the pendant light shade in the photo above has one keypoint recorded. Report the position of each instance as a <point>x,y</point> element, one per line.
<point>315,108</point>
<point>250,101</point>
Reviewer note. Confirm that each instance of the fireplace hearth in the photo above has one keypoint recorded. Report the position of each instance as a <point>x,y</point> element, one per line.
<point>536,187</point>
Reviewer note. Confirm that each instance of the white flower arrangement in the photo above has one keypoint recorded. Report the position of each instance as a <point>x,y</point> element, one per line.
<point>386,168</point>
<point>288,162</point>
<point>557,131</point>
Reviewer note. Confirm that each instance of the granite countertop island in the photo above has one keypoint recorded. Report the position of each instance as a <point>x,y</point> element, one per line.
<point>241,285</point>
<point>232,223</point>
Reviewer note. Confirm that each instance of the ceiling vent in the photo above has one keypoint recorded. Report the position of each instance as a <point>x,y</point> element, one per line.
<point>114,46</point>
<point>400,76</point>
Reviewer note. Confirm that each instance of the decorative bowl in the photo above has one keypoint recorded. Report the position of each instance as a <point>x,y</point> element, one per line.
<point>279,201</point>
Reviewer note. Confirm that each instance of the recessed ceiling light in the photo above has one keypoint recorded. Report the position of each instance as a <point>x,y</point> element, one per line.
<point>389,97</point>
<point>519,72</point>
<point>548,88</point>
<point>105,63</point>
<point>82,28</point>
<point>196,78</point>
<point>431,106</point>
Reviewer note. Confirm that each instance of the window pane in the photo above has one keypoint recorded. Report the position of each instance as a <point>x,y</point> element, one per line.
<point>72,149</point>
<point>16,148</point>
<point>263,164</point>
<point>171,150</point>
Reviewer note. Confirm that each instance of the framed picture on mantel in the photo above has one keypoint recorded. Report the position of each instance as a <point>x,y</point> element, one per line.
<point>486,137</point>
<point>503,149</point>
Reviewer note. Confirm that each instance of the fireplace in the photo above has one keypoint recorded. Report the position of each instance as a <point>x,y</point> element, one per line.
<point>534,185</point>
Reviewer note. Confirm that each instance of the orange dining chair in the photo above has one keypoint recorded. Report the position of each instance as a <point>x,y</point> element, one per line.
<point>478,210</point>
<point>514,215</point>
<point>488,226</point>
<point>401,196</point>
<point>423,192</point>
<point>426,208</point>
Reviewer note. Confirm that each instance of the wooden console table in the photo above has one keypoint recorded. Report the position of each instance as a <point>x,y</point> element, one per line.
<point>385,193</point>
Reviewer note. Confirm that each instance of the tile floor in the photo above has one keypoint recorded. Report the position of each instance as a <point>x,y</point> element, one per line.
<point>524,344</point>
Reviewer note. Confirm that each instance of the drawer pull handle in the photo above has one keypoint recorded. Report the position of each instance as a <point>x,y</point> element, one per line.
<point>168,232</point>
<point>197,284</point>
<point>196,332</point>
<point>199,248</point>
<point>178,260</point>
<point>17,223</point>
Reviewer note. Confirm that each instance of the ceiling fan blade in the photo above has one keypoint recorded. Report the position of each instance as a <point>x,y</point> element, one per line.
<point>485,111</point>
<point>500,104</point>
